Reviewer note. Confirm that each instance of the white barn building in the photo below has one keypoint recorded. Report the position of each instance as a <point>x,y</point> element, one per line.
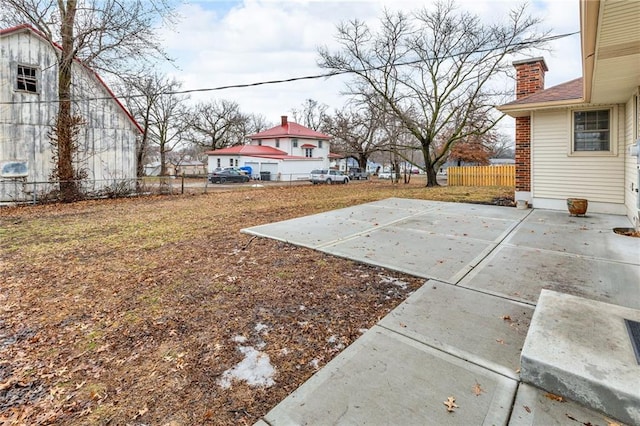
<point>28,110</point>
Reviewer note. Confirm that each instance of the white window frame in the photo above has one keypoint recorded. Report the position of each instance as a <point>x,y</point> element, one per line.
<point>35,79</point>
<point>613,132</point>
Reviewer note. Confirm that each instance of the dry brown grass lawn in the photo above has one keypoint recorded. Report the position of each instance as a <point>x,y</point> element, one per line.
<point>130,311</point>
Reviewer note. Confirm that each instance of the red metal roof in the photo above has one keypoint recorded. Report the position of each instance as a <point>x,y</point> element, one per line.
<point>27,27</point>
<point>308,145</point>
<point>289,130</point>
<point>250,150</point>
<point>562,92</point>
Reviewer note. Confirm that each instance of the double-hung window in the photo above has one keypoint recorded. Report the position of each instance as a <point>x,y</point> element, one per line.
<point>592,130</point>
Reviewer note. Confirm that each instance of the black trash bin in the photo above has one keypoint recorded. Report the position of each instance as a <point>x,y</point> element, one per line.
<point>265,175</point>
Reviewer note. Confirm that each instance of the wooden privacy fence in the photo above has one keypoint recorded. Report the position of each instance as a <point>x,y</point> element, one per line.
<point>502,175</point>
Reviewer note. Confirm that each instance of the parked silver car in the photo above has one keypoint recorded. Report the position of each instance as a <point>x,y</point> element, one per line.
<point>329,176</point>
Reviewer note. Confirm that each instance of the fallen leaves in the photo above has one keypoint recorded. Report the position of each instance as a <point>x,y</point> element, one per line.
<point>451,404</point>
<point>554,397</point>
<point>477,389</point>
<point>117,308</point>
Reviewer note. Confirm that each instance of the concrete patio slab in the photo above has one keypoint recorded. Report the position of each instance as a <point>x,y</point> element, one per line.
<point>418,253</point>
<point>443,341</point>
<point>485,330</point>
<point>520,273</point>
<point>581,349</point>
<point>566,234</point>
<point>386,378</point>
<point>535,407</point>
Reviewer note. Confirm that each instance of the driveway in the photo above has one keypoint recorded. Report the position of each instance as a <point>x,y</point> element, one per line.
<point>461,335</point>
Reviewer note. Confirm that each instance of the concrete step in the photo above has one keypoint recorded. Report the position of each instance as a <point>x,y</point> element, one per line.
<point>580,349</point>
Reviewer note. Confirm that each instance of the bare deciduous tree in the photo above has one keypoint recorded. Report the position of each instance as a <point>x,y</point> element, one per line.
<point>358,133</point>
<point>217,124</point>
<point>104,35</point>
<point>432,70</point>
<point>312,114</point>
<point>167,119</point>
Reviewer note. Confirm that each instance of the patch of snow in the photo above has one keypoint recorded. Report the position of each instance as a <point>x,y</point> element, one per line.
<point>239,339</point>
<point>332,339</point>
<point>257,185</point>
<point>255,369</point>
<point>393,281</point>
<point>302,307</point>
<point>315,363</point>
<point>259,328</point>
<point>284,351</point>
<point>363,330</point>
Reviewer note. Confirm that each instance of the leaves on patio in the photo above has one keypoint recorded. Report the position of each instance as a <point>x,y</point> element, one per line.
<point>553,397</point>
<point>477,389</point>
<point>451,404</point>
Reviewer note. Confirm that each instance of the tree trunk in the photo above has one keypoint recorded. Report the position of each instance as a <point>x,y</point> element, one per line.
<point>65,143</point>
<point>432,176</point>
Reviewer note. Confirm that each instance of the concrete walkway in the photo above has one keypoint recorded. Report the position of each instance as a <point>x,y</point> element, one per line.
<point>461,334</point>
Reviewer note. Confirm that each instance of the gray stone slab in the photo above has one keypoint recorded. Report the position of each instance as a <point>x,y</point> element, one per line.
<point>483,329</point>
<point>409,204</point>
<point>311,231</point>
<point>418,253</point>
<point>385,378</point>
<point>580,349</point>
<point>441,223</point>
<point>325,228</point>
<point>535,407</point>
<point>577,238</point>
<point>481,210</point>
<point>520,273</point>
<point>595,221</point>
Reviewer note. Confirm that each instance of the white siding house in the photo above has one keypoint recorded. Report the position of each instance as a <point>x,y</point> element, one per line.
<point>579,139</point>
<point>287,152</point>
<point>28,109</point>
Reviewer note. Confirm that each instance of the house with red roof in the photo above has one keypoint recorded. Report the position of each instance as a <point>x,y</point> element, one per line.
<point>28,109</point>
<point>285,152</point>
<point>580,139</point>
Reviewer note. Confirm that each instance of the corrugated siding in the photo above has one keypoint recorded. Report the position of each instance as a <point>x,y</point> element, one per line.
<point>107,140</point>
<point>557,175</point>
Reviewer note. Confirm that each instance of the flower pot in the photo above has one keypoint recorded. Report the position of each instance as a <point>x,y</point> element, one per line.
<point>577,206</point>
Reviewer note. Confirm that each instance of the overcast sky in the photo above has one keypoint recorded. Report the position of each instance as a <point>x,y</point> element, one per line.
<point>220,43</point>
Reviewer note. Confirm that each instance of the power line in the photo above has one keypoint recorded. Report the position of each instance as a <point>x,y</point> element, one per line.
<point>292,79</point>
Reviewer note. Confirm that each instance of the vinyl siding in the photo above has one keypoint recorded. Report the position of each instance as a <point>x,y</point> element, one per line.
<point>632,173</point>
<point>558,175</point>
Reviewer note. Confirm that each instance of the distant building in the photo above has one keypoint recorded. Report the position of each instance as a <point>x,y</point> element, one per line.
<point>285,152</point>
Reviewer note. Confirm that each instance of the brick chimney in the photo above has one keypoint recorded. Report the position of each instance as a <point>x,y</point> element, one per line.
<point>529,80</point>
<point>284,120</point>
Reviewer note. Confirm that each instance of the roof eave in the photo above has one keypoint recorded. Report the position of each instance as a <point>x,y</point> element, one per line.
<point>523,110</point>
<point>589,12</point>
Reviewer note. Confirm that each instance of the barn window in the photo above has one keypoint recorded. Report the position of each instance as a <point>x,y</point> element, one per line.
<point>27,79</point>
<point>308,152</point>
<point>319,144</point>
<point>295,142</point>
<point>277,143</point>
<point>218,162</point>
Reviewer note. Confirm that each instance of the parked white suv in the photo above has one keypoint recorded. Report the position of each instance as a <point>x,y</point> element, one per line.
<point>328,176</point>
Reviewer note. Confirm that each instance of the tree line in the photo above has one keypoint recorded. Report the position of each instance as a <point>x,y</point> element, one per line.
<point>421,84</point>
